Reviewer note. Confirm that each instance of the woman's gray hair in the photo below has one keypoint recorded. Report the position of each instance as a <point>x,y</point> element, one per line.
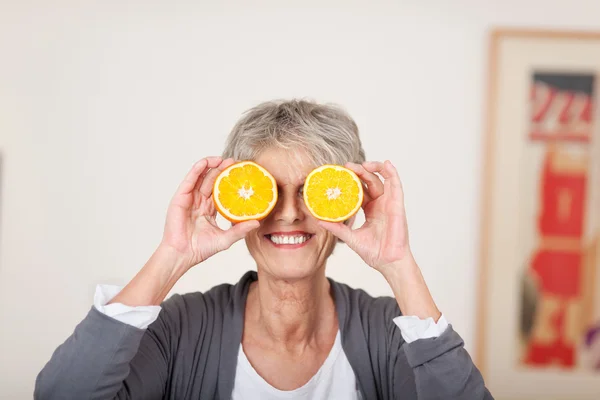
<point>325,132</point>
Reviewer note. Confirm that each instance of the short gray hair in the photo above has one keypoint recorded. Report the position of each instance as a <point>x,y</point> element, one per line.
<point>324,131</point>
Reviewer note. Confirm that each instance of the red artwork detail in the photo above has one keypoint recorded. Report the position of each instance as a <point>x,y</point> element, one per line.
<point>558,351</point>
<point>561,137</point>
<point>563,196</point>
<point>543,95</point>
<point>586,111</point>
<point>559,114</point>
<point>558,272</point>
<point>566,114</point>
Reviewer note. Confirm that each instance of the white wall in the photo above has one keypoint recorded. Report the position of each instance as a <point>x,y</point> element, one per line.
<point>105,105</point>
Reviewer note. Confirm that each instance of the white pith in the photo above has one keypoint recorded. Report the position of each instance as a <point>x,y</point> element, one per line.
<point>333,193</point>
<point>245,193</point>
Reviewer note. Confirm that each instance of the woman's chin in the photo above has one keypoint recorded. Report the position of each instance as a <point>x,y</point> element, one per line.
<point>292,271</point>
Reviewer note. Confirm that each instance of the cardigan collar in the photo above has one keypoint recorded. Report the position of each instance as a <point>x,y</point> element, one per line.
<point>354,342</point>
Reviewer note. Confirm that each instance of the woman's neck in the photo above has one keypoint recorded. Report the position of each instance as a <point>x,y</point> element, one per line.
<point>292,313</point>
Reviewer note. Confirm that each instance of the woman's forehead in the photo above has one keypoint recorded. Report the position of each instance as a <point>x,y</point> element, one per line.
<point>286,166</point>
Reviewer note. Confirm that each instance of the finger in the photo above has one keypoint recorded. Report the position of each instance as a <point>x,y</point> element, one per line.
<point>236,232</point>
<point>389,173</point>
<point>394,180</point>
<point>343,232</point>
<point>199,182</point>
<point>206,186</point>
<point>366,196</point>
<point>374,183</point>
<point>382,168</point>
<point>373,166</point>
<point>201,179</point>
<point>189,182</point>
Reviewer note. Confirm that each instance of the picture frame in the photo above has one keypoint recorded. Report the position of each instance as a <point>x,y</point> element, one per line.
<point>538,321</point>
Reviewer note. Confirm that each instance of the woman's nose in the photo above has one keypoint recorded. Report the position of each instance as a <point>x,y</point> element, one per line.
<point>289,208</point>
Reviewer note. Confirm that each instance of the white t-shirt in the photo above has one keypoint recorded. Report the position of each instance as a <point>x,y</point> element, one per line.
<point>334,377</point>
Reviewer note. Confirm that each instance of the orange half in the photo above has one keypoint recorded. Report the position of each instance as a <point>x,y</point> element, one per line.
<point>333,193</point>
<point>244,191</point>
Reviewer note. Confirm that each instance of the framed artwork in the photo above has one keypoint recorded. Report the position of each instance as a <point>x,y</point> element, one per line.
<point>539,295</point>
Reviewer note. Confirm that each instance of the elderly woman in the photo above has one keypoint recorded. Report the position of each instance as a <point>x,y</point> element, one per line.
<point>285,331</point>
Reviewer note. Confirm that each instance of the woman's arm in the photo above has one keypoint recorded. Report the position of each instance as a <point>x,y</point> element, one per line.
<point>191,235</point>
<point>154,281</point>
<point>442,367</point>
<point>95,362</point>
<point>105,358</point>
<point>410,290</point>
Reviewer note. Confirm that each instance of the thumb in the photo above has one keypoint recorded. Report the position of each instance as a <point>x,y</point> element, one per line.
<point>237,232</point>
<point>343,232</point>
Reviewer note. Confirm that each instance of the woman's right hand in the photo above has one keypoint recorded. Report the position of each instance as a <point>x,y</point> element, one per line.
<point>191,229</point>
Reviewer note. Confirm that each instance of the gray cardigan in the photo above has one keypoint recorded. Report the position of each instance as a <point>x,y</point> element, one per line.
<point>190,352</point>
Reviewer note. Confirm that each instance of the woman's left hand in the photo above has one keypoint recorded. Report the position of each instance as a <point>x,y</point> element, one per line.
<point>383,239</point>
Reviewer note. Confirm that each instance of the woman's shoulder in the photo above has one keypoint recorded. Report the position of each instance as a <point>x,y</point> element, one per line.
<point>222,298</point>
<point>351,300</point>
<point>366,319</point>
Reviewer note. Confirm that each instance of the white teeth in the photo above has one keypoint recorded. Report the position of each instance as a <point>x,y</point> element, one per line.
<point>282,239</point>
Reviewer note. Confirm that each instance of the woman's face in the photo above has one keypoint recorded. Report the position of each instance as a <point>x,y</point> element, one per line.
<point>289,244</point>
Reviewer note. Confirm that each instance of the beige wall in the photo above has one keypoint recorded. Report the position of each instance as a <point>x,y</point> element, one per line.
<point>104,107</point>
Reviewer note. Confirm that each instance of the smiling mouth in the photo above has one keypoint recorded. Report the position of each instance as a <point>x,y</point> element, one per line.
<point>289,240</point>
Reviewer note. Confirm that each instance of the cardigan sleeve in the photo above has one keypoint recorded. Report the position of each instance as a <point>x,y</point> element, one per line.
<point>441,366</point>
<point>444,370</point>
<point>108,359</point>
